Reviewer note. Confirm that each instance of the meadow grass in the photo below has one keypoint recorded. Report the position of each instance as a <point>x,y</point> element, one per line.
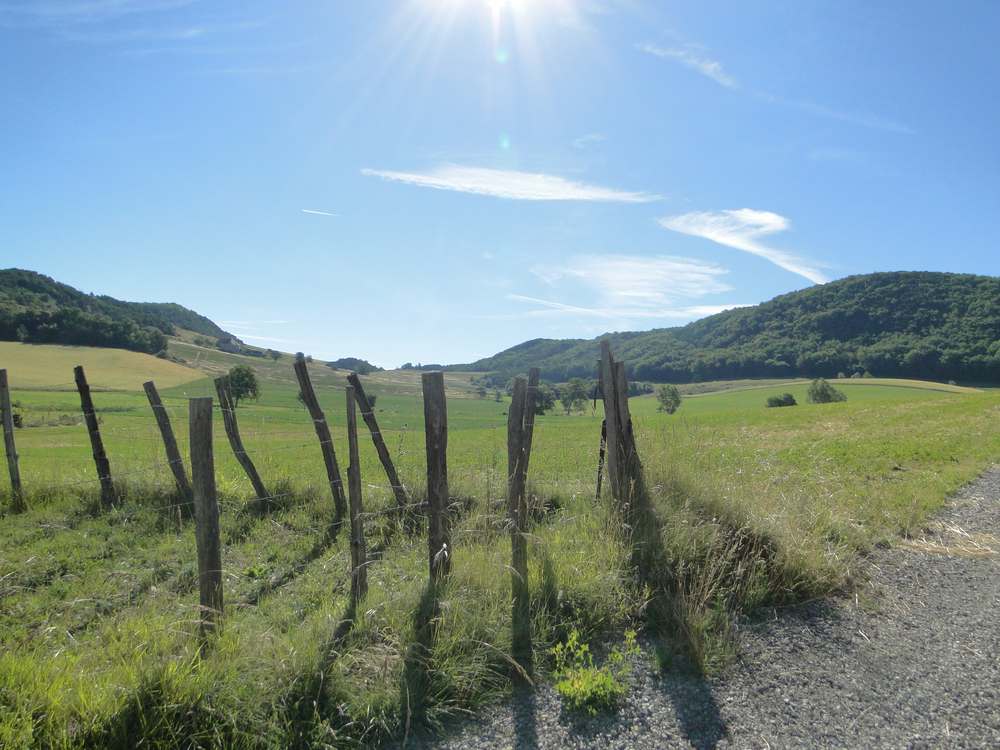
<point>745,506</point>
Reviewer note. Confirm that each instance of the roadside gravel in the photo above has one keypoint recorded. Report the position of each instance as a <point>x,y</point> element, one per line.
<point>919,666</point>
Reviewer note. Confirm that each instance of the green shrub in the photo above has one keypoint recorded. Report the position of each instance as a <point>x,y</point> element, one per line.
<point>785,399</point>
<point>821,392</point>
<point>588,689</point>
<point>669,398</point>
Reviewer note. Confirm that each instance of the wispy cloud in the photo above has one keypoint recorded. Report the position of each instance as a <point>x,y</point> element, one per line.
<point>318,212</point>
<point>501,183</point>
<point>63,12</point>
<point>629,287</point>
<point>551,308</point>
<point>741,229</point>
<point>585,141</point>
<point>691,57</point>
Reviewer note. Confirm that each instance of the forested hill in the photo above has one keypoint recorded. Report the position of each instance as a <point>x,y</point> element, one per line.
<point>37,309</point>
<point>908,324</point>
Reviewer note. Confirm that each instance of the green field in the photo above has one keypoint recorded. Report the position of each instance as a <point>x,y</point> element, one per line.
<point>748,505</point>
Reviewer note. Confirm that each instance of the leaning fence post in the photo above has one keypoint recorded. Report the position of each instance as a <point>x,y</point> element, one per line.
<point>96,444</point>
<point>517,455</point>
<point>169,441</point>
<point>402,500</point>
<point>228,409</point>
<point>206,514</point>
<point>359,566</point>
<point>611,418</point>
<point>600,457</point>
<point>436,436</point>
<point>17,503</point>
<point>325,440</point>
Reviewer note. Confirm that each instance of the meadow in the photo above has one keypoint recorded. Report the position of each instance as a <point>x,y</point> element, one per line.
<point>747,507</point>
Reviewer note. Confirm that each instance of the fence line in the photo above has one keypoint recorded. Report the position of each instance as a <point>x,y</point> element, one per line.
<point>506,512</point>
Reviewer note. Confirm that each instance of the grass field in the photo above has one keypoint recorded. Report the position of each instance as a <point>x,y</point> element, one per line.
<point>747,506</point>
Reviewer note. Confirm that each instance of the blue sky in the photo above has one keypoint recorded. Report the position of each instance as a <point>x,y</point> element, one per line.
<point>436,180</point>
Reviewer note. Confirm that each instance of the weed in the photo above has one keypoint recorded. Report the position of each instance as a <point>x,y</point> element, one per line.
<point>585,688</point>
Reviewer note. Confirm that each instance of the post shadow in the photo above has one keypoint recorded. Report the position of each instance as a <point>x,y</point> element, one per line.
<point>688,690</point>
<point>416,681</point>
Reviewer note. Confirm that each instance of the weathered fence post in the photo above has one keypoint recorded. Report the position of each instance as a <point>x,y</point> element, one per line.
<point>228,409</point>
<point>17,503</point>
<point>624,467</point>
<point>96,444</point>
<point>402,499</point>
<point>359,562</point>
<point>610,417</point>
<point>436,436</point>
<point>206,514</point>
<point>600,457</point>
<point>520,418</point>
<point>169,441</point>
<point>325,440</point>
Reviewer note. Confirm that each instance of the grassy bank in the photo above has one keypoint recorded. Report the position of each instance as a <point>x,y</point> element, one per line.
<point>746,505</point>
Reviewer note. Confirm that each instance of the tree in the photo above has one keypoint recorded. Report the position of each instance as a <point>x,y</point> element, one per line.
<point>498,396</point>
<point>481,391</point>
<point>573,395</point>
<point>821,392</point>
<point>372,397</point>
<point>785,399</point>
<point>275,355</point>
<point>669,398</point>
<point>243,384</point>
<point>545,398</point>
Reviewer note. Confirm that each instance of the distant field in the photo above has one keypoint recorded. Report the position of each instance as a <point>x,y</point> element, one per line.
<point>97,609</point>
<point>50,366</point>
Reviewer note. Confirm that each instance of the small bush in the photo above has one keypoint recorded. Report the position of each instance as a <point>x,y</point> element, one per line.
<point>588,689</point>
<point>785,399</point>
<point>669,398</point>
<point>821,392</point>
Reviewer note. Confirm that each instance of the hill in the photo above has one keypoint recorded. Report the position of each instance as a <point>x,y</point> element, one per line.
<point>936,326</point>
<point>39,310</point>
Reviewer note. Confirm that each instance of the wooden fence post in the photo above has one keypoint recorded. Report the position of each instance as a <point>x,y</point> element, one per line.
<point>17,503</point>
<point>206,514</point>
<point>436,436</point>
<point>169,441</point>
<point>402,499</point>
<point>610,418</point>
<point>630,466</point>
<point>325,441</point>
<point>600,456</point>
<point>518,421</point>
<point>359,561</point>
<point>96,444</point>
<point>233,433</point>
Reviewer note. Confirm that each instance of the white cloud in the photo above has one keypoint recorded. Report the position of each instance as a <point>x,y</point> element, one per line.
<point>588,140</point>
<point>550,308</point>
<point>691,58</point>
<point>740,229</point>
<point>59,12</point>
<point>317,211</point>
<point>627,287</point>
<point>502,183</point>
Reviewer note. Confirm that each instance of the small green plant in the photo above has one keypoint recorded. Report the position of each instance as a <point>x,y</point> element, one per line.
<point>669,398</point>
<point>588,689</point>
<point>785,399</point>
<point>821,392</point>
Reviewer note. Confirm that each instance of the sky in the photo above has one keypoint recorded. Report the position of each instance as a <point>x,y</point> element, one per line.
<point>437,180</point>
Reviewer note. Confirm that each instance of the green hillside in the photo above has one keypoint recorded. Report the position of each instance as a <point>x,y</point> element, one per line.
<point>936,326</point>
<point>36,309</point>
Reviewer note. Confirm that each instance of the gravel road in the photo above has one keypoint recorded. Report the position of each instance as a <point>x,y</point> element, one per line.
<point>919,667</point>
